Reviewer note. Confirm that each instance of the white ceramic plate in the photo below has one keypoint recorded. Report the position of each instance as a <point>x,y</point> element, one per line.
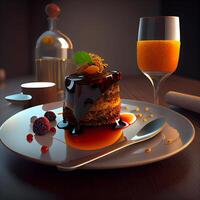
<point>176,136</point>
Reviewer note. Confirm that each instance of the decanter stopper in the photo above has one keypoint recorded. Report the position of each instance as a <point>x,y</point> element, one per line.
<point>52,10</point>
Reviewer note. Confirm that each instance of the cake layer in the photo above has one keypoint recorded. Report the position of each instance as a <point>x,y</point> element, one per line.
<point>110,98</point>
<point>99,105</point>
<point>102,117</point>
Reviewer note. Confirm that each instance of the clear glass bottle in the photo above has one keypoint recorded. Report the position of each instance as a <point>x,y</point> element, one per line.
<point>53,53</point>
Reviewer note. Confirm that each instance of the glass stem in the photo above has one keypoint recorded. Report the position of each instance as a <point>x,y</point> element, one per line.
<point>156,87</point>
<point>156,79</point>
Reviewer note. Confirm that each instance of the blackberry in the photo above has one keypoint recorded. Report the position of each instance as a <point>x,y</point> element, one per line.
<point>50,115</point>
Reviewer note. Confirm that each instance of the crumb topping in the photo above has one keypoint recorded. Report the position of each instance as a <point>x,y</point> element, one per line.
<point>98,61</point>
<point>89,63</point>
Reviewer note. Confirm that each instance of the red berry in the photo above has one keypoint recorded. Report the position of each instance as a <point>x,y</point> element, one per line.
<point>29,137</point>
<point>53,129</point>
<point>50,115</point>
<point>44,149</point>
<point>41,126</point>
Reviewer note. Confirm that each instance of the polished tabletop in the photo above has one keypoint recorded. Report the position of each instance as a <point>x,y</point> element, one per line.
<point>177,177</point>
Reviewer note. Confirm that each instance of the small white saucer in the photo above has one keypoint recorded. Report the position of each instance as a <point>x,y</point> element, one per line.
<point>19,99</point>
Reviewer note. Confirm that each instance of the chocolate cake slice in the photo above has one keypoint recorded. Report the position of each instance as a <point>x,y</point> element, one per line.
<point>92,99</point>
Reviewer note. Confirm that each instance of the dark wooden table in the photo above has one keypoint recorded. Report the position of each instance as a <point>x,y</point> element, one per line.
<point>177,177</point>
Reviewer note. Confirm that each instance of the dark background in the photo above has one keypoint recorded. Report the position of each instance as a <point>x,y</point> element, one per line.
<point>107,27</point>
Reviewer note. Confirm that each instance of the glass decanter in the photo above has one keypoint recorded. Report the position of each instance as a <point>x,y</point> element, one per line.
<point>53,53</point>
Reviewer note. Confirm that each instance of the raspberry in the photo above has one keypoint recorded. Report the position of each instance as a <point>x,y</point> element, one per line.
<point>53,129</point>
<point>41,126</point>
<point>50,115</point>
<point>29,137</point>
<point>44,149</point>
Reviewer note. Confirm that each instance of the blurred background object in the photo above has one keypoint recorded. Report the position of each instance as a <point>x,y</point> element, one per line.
<point>2,75</point>
<point>106,27</point>
<point>53,52</point>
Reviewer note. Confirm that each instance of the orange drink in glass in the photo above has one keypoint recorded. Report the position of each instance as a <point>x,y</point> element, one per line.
<point>158,55</point>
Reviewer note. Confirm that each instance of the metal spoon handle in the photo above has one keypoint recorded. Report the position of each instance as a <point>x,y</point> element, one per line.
<point>74,164</point>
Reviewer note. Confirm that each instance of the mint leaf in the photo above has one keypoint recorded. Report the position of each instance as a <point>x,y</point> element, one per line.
<point>82,57</point>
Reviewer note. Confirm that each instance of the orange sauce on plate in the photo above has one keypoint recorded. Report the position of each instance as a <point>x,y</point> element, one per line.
<point>94,138</point>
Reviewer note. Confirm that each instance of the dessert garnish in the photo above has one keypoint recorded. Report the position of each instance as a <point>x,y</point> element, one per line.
<point>145,116</point>
<point>50,115</point>
<point>139,115</point>
<point>44,149</point>
<point>29,137</point>
<point>41,126</point>
<point>169,141</point>
<point>145,119</point>
<point>89,63</point>
<point>53,130</point>
<point>148,150</point>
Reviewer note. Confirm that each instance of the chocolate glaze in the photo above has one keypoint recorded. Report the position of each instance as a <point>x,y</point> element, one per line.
<point>67,126</point>
<point>82,91</point>
<point>119,124</point>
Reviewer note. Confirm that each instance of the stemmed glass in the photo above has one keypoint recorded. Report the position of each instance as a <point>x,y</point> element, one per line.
<point>158,48</point>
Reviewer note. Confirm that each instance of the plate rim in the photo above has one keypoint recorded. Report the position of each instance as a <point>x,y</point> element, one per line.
<point>120,165</point>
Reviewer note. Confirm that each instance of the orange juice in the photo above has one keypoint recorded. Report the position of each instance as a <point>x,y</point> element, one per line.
<point>158,55</point>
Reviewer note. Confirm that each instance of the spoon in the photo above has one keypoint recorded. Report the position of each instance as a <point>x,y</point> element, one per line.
<point>148,131</point>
